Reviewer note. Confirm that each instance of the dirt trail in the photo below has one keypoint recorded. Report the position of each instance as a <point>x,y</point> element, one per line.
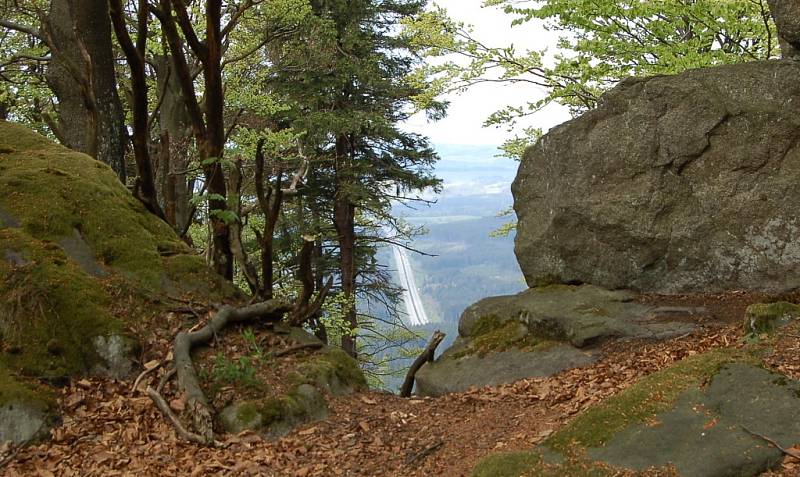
<point>107,432</point>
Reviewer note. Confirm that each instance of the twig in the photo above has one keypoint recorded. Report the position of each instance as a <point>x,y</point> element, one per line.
<point>296,348</point>
<point>143,374</point>
<point>162,406</point>
<point>424,357</point>
<point>789,452</point>
<point>164,379</point>
<point>424,452</point>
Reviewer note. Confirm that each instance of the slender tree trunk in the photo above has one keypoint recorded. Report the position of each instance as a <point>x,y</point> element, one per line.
<point>81,74</point>
<point>176,133</point>
<point>344,222</point>
<point>145,186</point>
<point>209,133</point>
<point>215,140</point>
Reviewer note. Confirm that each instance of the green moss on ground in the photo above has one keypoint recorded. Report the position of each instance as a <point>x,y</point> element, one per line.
<point>642,401</point>
<point>12,390</point>
<point>531,464</point>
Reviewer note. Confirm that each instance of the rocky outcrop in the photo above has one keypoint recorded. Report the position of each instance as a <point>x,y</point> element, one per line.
<point>542,331</point>
<point>700,417</point>
<point>83,268</point>
<point>673,184</point>
<point>786,14</point>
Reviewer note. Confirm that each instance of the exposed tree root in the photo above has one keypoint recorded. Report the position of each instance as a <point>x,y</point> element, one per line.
<point>162,406</point>
<point>143,374</point>
<point>188,383</point>
<point>425,357</point>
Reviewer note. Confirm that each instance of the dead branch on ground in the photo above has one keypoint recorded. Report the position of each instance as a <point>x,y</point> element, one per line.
<point>425,357</point>
<point>789,452</point>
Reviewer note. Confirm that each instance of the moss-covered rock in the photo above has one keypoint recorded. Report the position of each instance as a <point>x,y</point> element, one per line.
<point>276,416</point>
<point>542,331</point>
<point>765,317</point>
<point>689,419</point>
<point>328,371</point>
<point>333,371</point>
<point>27,411</point>
<point>82,265</point>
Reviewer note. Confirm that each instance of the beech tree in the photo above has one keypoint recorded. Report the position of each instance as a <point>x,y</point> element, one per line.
<point>602,43</point>
<point>72,55</point>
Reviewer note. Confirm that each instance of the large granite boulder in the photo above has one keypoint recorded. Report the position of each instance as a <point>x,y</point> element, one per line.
<point>673,184</point>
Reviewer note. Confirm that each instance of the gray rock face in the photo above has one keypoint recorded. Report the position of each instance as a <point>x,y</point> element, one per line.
<point>451,373</point>
<point>21,422</point>
<point>579,315</point>
<point>705,436</point>
<point>673,184</point>
<point>117,353</point>
<point>786,14</point>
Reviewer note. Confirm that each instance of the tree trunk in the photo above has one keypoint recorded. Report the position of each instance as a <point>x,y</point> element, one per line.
<point>145,189</point>
<point>344,213</point>
<point>81,74</point>
<point>176,133</point>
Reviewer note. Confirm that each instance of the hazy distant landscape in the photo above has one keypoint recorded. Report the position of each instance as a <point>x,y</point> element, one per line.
<point>468,264</point>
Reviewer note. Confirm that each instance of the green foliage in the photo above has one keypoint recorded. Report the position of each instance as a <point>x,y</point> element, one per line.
<point>601,43</point>
<point>241,371</point>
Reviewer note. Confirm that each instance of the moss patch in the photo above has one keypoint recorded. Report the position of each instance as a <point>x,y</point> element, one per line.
<point>532,464</point>
<point>48,309</point>
<point>507,464</point>
<point>642,401</point>
<point>492,334</point>
<point>14,390</point>
<point>332,370</point>
<point>766,317</point>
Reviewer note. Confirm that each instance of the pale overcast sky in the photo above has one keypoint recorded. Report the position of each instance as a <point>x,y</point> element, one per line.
<point>463,125</point>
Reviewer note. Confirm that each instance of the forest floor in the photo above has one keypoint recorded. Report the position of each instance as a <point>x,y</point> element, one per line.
<point>108,430</point>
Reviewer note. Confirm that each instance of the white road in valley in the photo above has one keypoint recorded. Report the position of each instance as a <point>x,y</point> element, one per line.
<point>411,298</point>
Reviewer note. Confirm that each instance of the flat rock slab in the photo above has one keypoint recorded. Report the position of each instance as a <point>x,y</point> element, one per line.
<point>449,374</point>
<point>570,318</point>
<point>704,436</point>
<point>580,315</point>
